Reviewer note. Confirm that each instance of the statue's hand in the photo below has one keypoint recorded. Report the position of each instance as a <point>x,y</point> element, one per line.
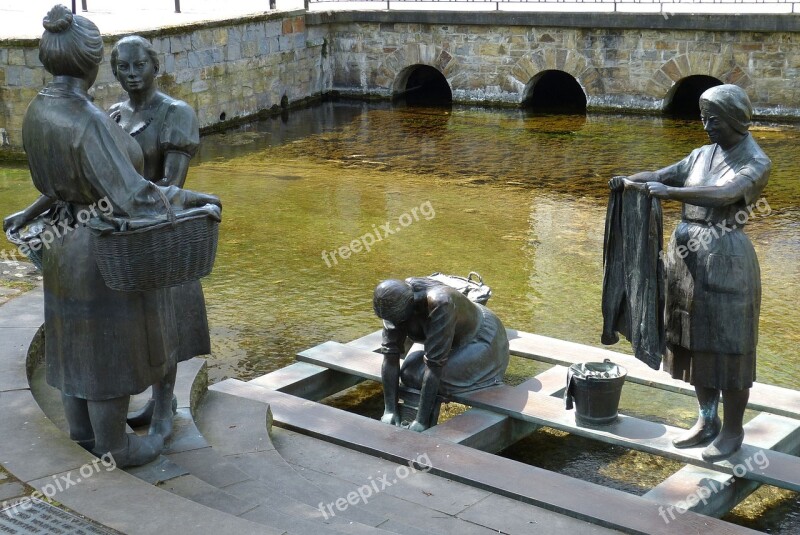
<point>14,222</point>
<point>657,190</point>
<point>391,418</point>
<point>617,183</point>
<point>195,198</point>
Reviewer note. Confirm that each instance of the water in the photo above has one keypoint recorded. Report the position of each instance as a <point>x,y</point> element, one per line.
<point>520,199</point>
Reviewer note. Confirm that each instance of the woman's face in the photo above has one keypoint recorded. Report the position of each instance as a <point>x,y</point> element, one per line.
<point>135,69</point>
<point>718,130</point>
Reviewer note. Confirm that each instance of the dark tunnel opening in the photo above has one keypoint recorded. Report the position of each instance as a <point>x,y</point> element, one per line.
<point>554,92</point>
<point>426,86</point>
<point>683,103</point>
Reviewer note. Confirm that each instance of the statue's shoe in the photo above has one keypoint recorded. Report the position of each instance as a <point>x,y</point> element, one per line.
<point>143,416</point>
<point>722,448</point>
<point>87,444</point>
<point>699,434</point>
<point>162,427</point>
<point>139,450</point>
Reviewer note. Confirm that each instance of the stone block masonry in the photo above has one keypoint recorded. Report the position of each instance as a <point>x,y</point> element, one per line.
<point>226,70</point>
<point>239,68</point>
<point>623,62</point>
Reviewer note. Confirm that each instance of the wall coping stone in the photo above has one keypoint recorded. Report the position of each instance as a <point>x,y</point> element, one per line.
<point>623,21</point>
<point>182,29</point>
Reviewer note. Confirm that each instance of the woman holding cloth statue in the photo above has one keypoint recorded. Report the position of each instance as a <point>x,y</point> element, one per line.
<point>713,293</point>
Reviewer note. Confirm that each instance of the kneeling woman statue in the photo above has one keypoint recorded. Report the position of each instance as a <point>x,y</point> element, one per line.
<point>460,345</point>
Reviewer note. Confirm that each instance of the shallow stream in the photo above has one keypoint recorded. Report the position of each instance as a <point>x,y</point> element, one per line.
<point>520,199</point>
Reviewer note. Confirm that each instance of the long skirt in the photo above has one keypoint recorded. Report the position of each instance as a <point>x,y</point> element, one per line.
<point>478,364</point>
<point>101,343</point>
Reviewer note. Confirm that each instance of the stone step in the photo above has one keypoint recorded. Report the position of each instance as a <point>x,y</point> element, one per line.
<point>243,462</point>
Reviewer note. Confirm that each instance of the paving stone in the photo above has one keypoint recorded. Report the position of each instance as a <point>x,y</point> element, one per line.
<point>356,470</point>
<point>14,343</point>
<point>201,492</point>
<point>11,489</point>
<point>234,425</point>
<point>26,310</point>
<point>521,519</point>
<point>158,471</point>
<point>270,517</point>
<point>210,466</point>
<point>32,447</point>
<point>131,506</point>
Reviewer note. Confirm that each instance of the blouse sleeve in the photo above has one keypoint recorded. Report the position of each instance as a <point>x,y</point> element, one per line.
<point>752,178</point>
<point>394,340</point>
<point>105,165</point>
<point>440,329</point>
<point>677,173</point>
<point>179,131</point>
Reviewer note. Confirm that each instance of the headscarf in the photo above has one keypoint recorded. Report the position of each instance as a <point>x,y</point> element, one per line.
<point>71,45</point>
<point>393,300</point>
<point>730,103</point>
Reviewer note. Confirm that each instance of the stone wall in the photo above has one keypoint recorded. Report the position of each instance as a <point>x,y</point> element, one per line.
<point>625,62</point>
<point>240,68</point>
<point>226,70</point>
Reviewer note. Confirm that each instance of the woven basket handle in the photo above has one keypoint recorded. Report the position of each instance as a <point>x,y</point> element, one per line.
<point>170,212</point>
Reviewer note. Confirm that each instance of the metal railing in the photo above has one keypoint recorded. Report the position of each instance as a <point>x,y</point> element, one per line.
<point>657,6</point>
<point>84,7</point>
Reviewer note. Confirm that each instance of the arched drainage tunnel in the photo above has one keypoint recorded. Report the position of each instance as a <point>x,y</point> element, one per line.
<point>554,92</point>
<point>684,97</point>
<point>422,85</point>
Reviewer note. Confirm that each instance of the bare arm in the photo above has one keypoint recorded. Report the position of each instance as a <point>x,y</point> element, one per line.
<point>709,196</point>
<point>176,167</point>
<point>39,206</point>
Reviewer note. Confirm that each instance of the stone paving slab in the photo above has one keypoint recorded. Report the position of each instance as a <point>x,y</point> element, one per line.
<point>32,447</point>
<point>14,342</point>
<point>211,467</point>
<point>26,310</point>
<point>199,491</point>
<point>432,492</point>
<point>238,427</point>
<point>134,507</point>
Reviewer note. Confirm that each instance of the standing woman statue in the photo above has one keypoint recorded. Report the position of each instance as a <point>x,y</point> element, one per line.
<point>101,345</point>
<point>167,132</point>
<point>713,295</point>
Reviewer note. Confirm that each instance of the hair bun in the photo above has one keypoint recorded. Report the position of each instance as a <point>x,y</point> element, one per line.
<point>58,19</point>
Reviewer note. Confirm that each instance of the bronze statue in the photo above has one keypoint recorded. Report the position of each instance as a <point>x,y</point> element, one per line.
<point>101,345</point>
<point>713,292</point>
<point>166,130</point>
<point>460,345</point>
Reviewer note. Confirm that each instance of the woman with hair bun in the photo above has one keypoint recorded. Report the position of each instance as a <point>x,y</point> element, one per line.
<point>713,294</point>
<point>101,345</point>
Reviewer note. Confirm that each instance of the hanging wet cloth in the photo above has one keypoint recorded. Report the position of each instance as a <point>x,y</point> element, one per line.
<point>633,274</point>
